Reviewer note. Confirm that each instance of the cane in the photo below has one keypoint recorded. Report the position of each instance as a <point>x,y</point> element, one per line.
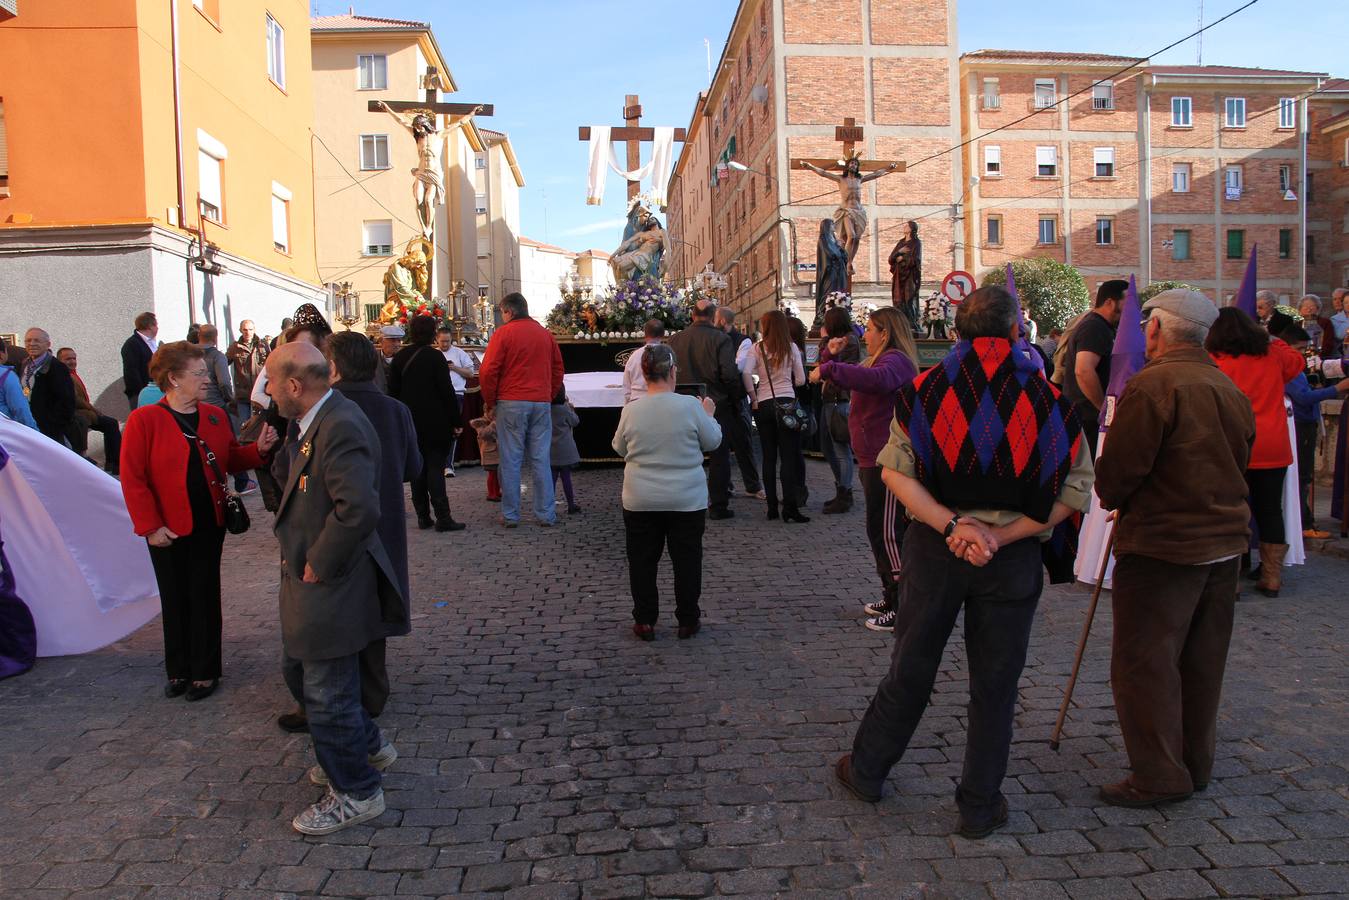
<point>1082,641</point>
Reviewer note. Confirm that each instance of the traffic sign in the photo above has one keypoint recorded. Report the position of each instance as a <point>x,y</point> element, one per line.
<point>957,286</point>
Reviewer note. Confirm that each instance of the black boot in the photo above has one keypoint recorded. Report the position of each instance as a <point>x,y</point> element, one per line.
<point>445,521</point>
<point>423,515</point>
<point>841,503</point>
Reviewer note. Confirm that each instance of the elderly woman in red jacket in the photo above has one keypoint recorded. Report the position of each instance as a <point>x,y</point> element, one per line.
<point>176,499</point>
<point>1260,366</point>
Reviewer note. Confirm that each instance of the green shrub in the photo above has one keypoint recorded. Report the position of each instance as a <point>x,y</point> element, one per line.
<point>1052,292</point>
<point>1157,287</point>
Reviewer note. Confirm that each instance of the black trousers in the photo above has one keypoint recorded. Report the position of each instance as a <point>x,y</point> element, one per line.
<point>1265,496</point>
<point>78,434</point>
<point>428,488</point>
<point>886,524</point>
<point>781,454</point>
<point>719,465</point>
<point>1090,417</point>
<point>188,574</point>
<point>999,600</point>
<point>734,424</point>
<point>1307,432</point>
<point>648,534</point>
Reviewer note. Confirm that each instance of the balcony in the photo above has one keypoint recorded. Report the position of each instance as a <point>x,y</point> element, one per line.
<point>1102,103</point>
<point>992,102</point>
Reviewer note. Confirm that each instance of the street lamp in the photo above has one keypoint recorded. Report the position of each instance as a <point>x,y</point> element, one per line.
<point>348,304</point>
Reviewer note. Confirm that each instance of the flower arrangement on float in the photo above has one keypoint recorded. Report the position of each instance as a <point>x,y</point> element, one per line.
<point>623,312</point>
<point>434,308</point>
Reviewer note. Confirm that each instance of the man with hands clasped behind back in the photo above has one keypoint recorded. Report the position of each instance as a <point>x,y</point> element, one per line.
<point>981,499</point>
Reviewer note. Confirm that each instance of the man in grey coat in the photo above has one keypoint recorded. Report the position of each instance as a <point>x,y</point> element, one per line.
<point>339,592</point>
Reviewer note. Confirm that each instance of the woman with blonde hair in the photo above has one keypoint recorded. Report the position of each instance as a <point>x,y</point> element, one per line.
<point>776,361</point>
<point>891,363</point>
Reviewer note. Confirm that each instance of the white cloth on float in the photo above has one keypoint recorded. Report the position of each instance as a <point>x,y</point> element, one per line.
<point>77,561</point>
<point>1096,530</point>
<point>594,389</point>
<point>602,154</point>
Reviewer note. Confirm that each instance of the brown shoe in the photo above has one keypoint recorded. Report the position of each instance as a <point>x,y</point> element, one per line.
<point>1271,569</point>
<point>1125,794</point>
<point>843,773</point>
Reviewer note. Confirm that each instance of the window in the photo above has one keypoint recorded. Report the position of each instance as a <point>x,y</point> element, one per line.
<point>1236,244</point>
<point>374,151</point>
<point>992,94</point>
<point>1105,232</point>
<point>1180,177</point>
<point>1285,243</point>
<point>4,149</point>
<point>1285,178</point>
<point>480,161</point>
<point>994,231</point>
<point>992,160</point>
<point>1311,183</point>
<point>1049,227</point>
<point>1105,162</point>
<point>1287,112</point>
<point>276,52</point>
<point>480,204</point>
<point>208,8</point>
<point>1046,162</point>
<point>373,72</point>
<point>1311,249</point>
<point>377,237</point>
<point>1180,244</point>
<point>211,156</point>
<point>1045,93</point>
<point>1232,182</point>
<point>281,198</point>
<point>1180,112</point>
<point>1103,95</point>
<point>1235,112</point>
<point>484,246</point>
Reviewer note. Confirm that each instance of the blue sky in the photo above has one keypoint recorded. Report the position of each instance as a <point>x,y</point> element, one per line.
<point>551,65</point>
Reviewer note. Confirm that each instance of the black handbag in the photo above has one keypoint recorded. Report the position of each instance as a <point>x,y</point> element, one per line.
<point>838,425</point>
<point>235,513</point>
<point>788,412</point>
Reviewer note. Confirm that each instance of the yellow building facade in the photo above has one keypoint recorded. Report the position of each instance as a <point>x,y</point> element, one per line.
<point>181,184</point>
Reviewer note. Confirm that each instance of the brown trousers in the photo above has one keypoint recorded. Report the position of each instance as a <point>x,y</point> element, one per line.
<point>1173,624</point>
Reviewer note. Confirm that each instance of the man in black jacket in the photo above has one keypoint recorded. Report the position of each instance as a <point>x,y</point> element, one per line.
<point>739,435</point>
<point>136,353</point>
<point>704,355</point>
<point>47,383</point>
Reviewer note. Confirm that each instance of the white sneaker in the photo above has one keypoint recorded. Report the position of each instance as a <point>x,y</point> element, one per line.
<point>380,761</point>
<point>883,622</point>
<point>337,811</point>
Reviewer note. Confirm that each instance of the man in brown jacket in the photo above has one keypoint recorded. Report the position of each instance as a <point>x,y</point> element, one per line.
<point>1173,471</point>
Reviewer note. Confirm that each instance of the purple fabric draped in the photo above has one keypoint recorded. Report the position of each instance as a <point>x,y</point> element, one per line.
<point>18,635</point>
<point>1129,353</point>
<point>1023,342</point>
<point>1245,299</point>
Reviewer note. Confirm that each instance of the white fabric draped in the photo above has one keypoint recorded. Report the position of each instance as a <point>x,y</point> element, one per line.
<point>77,563</point>
<point>658,168</point>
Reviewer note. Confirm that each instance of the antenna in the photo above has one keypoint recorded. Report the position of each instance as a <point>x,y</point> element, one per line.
<point>1200,50</point>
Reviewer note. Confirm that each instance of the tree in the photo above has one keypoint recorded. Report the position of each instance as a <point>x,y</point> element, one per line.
<point>1157,287</point>
<point>1049,290</point>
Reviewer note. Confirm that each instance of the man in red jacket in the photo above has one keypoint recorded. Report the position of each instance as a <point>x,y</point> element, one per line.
<point>521,373</point>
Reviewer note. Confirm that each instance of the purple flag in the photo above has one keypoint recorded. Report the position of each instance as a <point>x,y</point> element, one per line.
<point>1024,343</point>
<point>1245,300</point>
<point>1011,283</point>
<point>1128,355</point>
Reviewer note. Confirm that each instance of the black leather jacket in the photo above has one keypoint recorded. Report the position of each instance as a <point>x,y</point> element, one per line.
<point>705,354</point>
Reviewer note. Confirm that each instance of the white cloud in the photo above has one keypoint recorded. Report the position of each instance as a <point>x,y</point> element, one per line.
<point>596,227</point>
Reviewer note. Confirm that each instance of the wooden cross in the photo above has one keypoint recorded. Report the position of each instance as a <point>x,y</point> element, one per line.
<point>431,82</point>
<point>850,134</point>
<point>633,135</point>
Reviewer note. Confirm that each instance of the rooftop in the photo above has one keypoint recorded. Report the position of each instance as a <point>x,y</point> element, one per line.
<point>351,22</point>
<point>540,245</point>
<point>1050,56</point>
<point>1232,71</point>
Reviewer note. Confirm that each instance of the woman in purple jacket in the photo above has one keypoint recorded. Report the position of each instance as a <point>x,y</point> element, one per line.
<point>890,364</point>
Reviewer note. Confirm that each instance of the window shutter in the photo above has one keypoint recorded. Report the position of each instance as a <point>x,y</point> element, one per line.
<point>993,159</point>
<point>1104,156</point>
<point>208,179</point>
<point>4,144</point>
<point>280,229</point>
<point>1046,156</point>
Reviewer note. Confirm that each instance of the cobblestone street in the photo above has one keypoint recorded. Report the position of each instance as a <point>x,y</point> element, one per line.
<point>544,752</point>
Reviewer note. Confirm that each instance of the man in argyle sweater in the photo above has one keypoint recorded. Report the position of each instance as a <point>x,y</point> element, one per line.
<point>986,454</point>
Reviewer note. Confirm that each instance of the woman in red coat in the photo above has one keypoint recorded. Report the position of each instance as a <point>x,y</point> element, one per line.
<point>176,501</point>
<point>1260,367</point>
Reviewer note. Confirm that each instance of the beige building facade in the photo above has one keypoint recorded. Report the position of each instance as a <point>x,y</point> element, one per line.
<point>497,181</point>
<point>364,209</point>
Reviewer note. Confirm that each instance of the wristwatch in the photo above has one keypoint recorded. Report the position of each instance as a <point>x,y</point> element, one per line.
<point>951,526</point>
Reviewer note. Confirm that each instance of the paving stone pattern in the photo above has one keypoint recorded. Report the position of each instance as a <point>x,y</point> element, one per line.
<point>546,753</point>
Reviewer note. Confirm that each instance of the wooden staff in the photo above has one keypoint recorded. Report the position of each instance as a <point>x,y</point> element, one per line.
<point>1082,641</point>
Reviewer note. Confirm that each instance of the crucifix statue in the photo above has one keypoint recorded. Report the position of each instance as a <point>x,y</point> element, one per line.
<point>850,219</point>
<point>633,135</point>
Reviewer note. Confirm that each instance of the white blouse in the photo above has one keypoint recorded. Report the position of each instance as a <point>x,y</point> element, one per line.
<point>785,378</point>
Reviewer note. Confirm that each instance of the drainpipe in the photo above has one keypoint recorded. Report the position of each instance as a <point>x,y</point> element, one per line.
<point>178,149</point>
<point>1302,195</point>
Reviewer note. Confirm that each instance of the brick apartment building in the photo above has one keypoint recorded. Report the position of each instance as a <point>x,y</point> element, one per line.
<point>1163,172</point>
<point>791,72</point>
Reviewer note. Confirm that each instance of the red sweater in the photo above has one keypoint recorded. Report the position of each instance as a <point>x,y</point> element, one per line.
<point>154,465</point>
<point>1261,379</point>
<point>522,362</point>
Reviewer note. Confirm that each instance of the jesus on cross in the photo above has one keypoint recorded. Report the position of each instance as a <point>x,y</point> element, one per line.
<point>850,219</point>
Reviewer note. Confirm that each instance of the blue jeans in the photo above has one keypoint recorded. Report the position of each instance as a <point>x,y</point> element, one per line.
<point>240,412</point>
<point>344,734</point>
<point>838,455</point>
<point>525,434</point>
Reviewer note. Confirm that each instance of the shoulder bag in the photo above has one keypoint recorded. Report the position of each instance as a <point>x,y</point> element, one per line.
<point>787,411</point>
<point>236,515</point>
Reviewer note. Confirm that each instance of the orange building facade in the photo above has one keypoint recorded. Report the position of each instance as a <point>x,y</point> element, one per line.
<point>183,185</point>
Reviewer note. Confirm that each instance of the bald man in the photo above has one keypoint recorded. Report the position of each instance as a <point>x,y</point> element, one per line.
<point>48,386</point>
<point>339,593</point>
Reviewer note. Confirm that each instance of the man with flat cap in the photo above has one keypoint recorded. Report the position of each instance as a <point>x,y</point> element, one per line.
<point>390,342</point>
<point>1174,473</point>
